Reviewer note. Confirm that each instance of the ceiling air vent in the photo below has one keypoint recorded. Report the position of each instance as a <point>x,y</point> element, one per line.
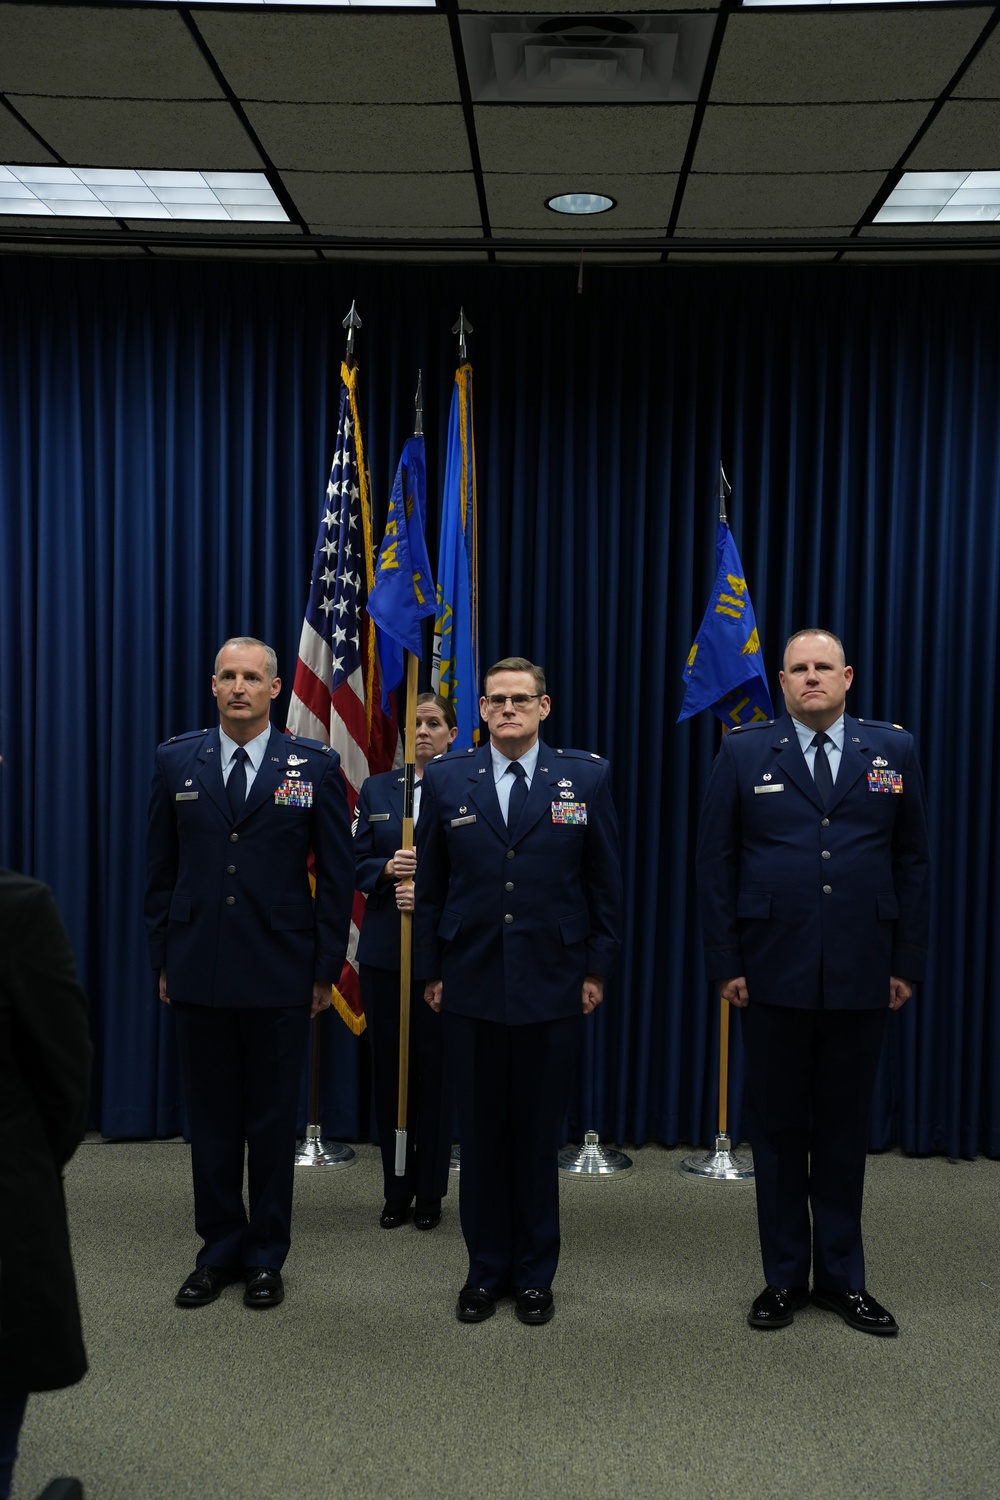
<point>586,59</point>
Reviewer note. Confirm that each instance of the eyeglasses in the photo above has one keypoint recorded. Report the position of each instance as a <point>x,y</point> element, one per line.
<point>516,700</point>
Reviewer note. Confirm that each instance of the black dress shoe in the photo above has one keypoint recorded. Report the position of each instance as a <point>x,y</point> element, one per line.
<point>858,1310</point>
<point>534,1305</point>
<point>777,1305</point>
<point>62,1489</point>
<point>475,1304</point>
<point>204,1285</point>
<point>394,1214</point>
<point>427,1213</point>
<point>264,1287</point>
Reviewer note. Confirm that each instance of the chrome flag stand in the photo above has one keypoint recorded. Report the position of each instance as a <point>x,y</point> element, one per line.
<point>592,1159</point>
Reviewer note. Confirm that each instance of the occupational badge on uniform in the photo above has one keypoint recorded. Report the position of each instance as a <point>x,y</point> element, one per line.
<point>294,794</point>
<point>885,781</point>
<point>573,813</point>
<point>768,776</point>
<point>297,760</point>
<point>564,782</point>
<point>878,761</point>
<point>293,773</point>
<point>189,782</point>
<point>566,796</point>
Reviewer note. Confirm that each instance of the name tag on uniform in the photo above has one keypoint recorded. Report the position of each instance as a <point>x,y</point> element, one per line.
<point>778,786</point>
<point>573,813</point>
<point>186,797</point>
<point>378,817</point>
<point>461,822</point>
<point>294,794</point>
<point>885,781</point>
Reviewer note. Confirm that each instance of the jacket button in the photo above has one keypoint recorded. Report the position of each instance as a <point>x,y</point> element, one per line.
<point>509,886</point>
<point>508,918</point>
<point>230,869</point>
<point>826,854</point>
<point>824,822</point>
<point>510,854</point>
<point>230,900</point>
<point>234,838</point>
<point>828,890</point>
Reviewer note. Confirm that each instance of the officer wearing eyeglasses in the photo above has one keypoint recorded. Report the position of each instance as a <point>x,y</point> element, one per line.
<point>518,914</point>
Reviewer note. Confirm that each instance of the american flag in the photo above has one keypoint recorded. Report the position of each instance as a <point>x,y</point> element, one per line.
<point>335,696</point>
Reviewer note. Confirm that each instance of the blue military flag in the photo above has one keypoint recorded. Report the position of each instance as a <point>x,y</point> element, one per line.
<point>403,593</point>
<point>724,670</point>
<point>455,673</point>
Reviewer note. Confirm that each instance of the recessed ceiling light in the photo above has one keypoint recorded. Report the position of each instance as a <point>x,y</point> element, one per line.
<point>121,193</point>
<point>580,203</point>
<point>942,198</point>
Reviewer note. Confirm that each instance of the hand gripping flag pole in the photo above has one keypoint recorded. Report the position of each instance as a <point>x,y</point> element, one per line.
<point>727,670</point>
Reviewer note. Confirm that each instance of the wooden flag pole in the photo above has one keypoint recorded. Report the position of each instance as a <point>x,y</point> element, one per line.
<point>406,917</point>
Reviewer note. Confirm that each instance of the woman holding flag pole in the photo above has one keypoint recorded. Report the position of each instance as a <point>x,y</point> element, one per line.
<point>385,873</point>
<point>402,596</point>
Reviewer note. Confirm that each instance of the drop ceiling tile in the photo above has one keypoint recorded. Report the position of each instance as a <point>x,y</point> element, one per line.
<point>817,138</point>
<point>83,51</point>
<point>747,257</point>
<point>422,257</point>
<point>836,56</point>
<point>140,133</point>
<point>965,136</point>
<point>516,200</point>
<point>18,147</point>
<point>347,56</point>
<point>583,138</point>
<point>387,138</point>
<point>757,201</point>
<point>981,79</point>
<point>384,198</point>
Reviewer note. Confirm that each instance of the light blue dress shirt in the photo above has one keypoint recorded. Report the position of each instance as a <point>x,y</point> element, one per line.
<point>255,754</point>
<point>502,777</point>
<point>834,749</point>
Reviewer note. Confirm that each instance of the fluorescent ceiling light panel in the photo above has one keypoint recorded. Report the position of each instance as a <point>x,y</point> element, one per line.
<point>313,4</point>
<point>942,198</point>
<point>809,4</point>
<point>120,193</point>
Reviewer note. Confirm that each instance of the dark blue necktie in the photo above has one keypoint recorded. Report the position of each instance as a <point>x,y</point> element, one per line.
<point>518,794</point>
<point>236,786</point>
<point>822,774</point>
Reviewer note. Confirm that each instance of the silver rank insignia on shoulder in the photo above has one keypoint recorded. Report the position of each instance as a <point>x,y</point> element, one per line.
<point>293,773</point>
<point>297,760</point>
<point>878,761</point>
<point>564,782</point>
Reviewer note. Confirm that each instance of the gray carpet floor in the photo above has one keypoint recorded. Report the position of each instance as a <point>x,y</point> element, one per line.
<point>647,1383</point>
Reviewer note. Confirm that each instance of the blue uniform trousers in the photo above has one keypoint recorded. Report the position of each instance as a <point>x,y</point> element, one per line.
<point>810,1077</point>
<point>429,1110</point>
<point>513,1086</point>
<point>242,1070</point>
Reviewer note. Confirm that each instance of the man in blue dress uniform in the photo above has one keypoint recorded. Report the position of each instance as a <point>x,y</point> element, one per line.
<point>518,915</point>
<point>814,880</point>
<point>245,954</point>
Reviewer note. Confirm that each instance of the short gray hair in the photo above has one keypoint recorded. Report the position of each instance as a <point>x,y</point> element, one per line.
<point>817,630</point>
<point>251,641</point>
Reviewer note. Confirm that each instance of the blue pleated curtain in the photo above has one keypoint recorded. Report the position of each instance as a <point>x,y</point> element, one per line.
<point>166,431</point>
